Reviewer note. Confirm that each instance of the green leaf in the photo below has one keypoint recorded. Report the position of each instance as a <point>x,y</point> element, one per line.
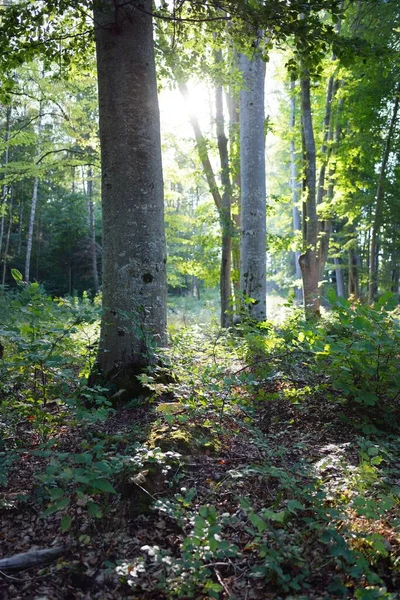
<point>65,523</point>
<point>103,485</point>
<point>56,493</point>
<point>94,510</point>
<point>53,508</point>
<point>258,522</point>
<point>16,275</point>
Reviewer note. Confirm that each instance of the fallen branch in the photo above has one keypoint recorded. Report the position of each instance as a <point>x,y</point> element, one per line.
<point>32,558</point>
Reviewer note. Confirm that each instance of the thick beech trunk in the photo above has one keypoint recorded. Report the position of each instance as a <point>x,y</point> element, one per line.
<point>376,226</point>
<point>295,188</point>
<point>134,252</point>
<point>309,260</point>
<point>253,193</point>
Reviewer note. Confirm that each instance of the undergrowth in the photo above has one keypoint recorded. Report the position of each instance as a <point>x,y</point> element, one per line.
<point>269,461</point>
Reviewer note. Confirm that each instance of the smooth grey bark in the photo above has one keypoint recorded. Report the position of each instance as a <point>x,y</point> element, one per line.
<point>32,215</point>
<point>252,182</point>
<point>340,289</point>
<point>294,184</point>
<point>4,191</point>
<point>354,287</point>
<point>7,244</point>
<point>225,214</point>
<point>232,100</point>
<point>308,259</point>
<point>134,250</point>
<point>92,231</point>
<point>373,255</point>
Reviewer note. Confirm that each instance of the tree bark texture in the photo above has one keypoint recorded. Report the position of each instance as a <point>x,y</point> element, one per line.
<point>340,289</point>
<point>253,193</point>
<point>32,215</point>
<point>225,213</point>
<point>294,184</point>
<point>376,226</point>
<point>134,251</point>
<point>309,260</point>
<point>92,232</point>
<point>4,191</point>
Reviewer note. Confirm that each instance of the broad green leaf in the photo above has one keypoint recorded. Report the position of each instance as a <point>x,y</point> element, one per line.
<point>65,523</point>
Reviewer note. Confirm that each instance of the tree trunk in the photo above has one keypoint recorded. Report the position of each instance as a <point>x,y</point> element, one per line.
<point>134,251</point>
<point>340,289</point>
<point>7,244</point>
<point>34,203</point>
<point>225,213</point>
<point>222,202</point>
<point>294,184</point>
<point>233,109</point>
<point>309,260</point>
<point>4,192</point>
<point>373,258</point>
<point>354,288</point>
<point>253,193</point>
<point>92,232</point>
<point>202,150</point>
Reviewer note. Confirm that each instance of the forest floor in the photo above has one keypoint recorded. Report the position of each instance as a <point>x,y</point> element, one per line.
<point>226,483</point>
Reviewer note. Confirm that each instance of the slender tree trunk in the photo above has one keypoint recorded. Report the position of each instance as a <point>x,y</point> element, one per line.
<point>4,192</point>
<point>294,187</point>
<point>34,203</point>
<point>92,231</point>
<point>234,155</point>
<point>376,226</point>
<point>309,260</point>
<point>7,244</point>
<point>340,289</point>
<point>202,150</point>
<point>222,202</point>
<point>253,193</point>
<point>225,214</point>
<point>134,251</point>
<point>20,219</point>
<point>325,226</point>
<point>354,288</point>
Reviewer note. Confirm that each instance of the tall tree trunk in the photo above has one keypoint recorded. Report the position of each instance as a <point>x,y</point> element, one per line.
<point>225,214</point>
<point>222,202</point>
<point>4,191</point>
<point>376,226</point>
<point>202,150</point>
<point>233,109</point>
<point>20,219</point>
<point>294,187</point>
<point>34,202</point>
<point>309,260</point>
<point>134,250</point>
<point>354,287</point>
<point>340,289</point>
<point>325,226</point>
<point>7,244</point>
<point>253,193</point>
<point>92,231</point>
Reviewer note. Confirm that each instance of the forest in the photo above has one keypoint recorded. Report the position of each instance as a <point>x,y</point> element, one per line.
<point>199,299</point>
